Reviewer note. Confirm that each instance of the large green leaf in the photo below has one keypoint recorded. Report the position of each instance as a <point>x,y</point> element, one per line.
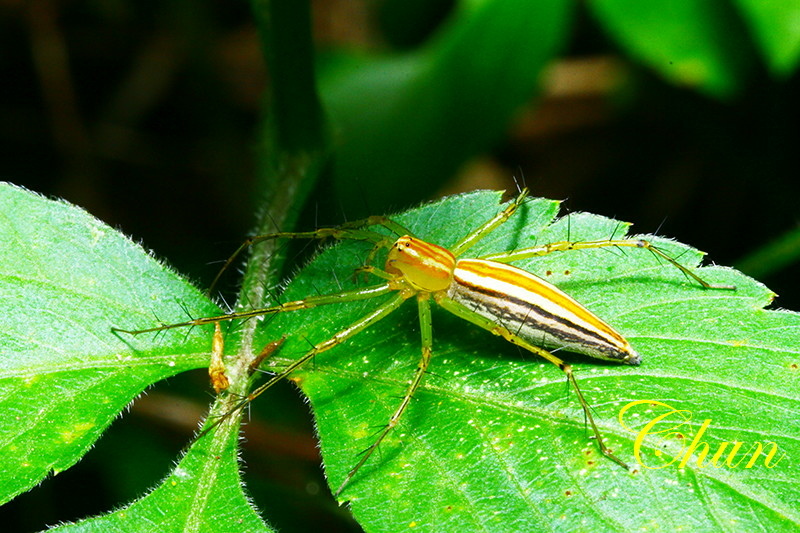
<point>776,27</point>
<point>65,279</point>
<point>494,439</point>
<point>406,121</point>
<point>697,44</point>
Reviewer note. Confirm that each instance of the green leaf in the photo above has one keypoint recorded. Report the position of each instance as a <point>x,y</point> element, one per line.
<point>407,121</point>
<point>493,440</point>
<point>776,26</point>
<point>203,493</point>
<point>774,256</point>
<point>65,280</point>
<point>496,440</point>
<point>690,43</point>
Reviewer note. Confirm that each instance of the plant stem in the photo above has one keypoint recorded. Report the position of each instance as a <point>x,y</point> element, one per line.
<point>292,152</point>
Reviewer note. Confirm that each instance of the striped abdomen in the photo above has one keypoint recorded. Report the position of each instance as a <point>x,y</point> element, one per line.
<point>535,310</point>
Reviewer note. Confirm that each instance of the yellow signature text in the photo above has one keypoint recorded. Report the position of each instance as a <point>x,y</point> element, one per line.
<point>666,428</point>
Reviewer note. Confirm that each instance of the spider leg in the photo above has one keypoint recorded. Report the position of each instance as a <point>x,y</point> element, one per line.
<point>497,329</point>
<point>561,246</point>
<point>423,303</point>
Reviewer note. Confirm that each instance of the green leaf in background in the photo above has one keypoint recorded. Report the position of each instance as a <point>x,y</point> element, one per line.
<point>203,493</point>
<point>65,280</point>
<point>776,27</point>
<point>691,43</point>
<point>772,257</point>
<point>494,440</point>
<point>403,123</point>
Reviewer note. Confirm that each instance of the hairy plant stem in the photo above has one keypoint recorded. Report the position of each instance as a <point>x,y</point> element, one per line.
<point>292,153</point>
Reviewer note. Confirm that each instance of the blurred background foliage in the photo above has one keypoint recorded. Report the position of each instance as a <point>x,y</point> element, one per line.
<point>680,116</point>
